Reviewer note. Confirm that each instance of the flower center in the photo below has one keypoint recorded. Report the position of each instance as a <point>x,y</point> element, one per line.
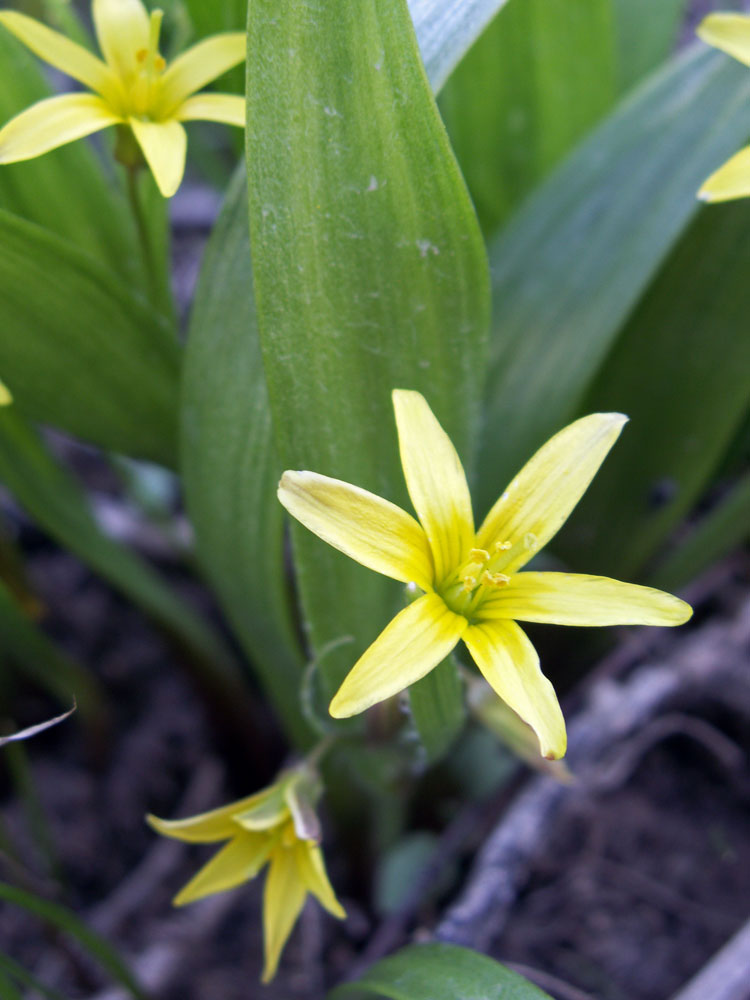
<point>465,590</point>
<point>149,67</point>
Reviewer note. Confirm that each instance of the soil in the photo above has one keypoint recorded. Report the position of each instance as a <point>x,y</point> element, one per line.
<point>641,886</point>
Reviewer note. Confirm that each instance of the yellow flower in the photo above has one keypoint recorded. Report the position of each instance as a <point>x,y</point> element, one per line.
<point>731,34</point>
<point>132,87</point>
<point>473,589</point>
<point>276,826</point>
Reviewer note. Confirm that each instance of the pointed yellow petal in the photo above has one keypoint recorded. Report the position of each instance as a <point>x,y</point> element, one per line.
<point>122,30</point>
<point>51,123</point>
<point>226,108</point>
<point>510,665</point>
<point>283,898</point>
<point>61,52</point>
<point>728,32</point>
<point>575,599</point>
<point>367,528</point>
<point>731,180</point>
<point>417,639</point>
<point>314,875</point>
<point>268,810</point>
<point>436,482</point>
<point>164,145</point>
<point>199,65</point>
<point>237,862</point>
<point>207,827</point>
<point>540,498</point>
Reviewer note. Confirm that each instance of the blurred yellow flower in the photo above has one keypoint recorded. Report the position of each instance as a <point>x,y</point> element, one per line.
<point>132,87</point>
<point>277,827</point>
<point>731,34</point>
<point>472,588</point>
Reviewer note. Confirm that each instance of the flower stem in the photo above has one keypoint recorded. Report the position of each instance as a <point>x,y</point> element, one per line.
<point>144,239</point>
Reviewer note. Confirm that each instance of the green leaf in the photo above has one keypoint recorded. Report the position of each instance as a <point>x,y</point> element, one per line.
<point>647,33</point>
<point>229,464</point>
<point>437,709</point>
<point>681,371</point>
<point>369,269</point>
<point>446,30</point>
<point>80,350</point>
<point>27,646</point>
<point>575,259</point>
<point>12,968</point>
<point>714,536</point>
<point>64,920</point>
<point>439,972</point>
<point>534,83</point>
<point>67,190</point>
<point>54,500</point>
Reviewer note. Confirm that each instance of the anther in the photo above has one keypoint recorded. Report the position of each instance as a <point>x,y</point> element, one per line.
<point>502,546</point>
<point>479,555</point>
<point>530,540</point>
<point>469,582</point>
<point>495,580</point>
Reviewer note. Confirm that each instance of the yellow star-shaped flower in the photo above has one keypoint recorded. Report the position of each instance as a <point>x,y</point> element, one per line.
<point>472,585</point>
<point>132,87</point>
<point>731,34</point>
<point>277,827</point>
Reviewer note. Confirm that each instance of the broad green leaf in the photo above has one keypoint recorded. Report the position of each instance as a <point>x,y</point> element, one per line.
<point>578,255</point>
<point>66,190</point>
<point>439,972</point>
<point>62,919</point>
<point>725,527</point>
<point>229,464</point>
<point>534,83</point>
<point>437,710</point>
<point>446,30</point>
<point>23,643</point>
<point>54,500</point>
<point>681,371</point>
<point>647,34</point>
<point>80,350</point>
<point>368,264</point>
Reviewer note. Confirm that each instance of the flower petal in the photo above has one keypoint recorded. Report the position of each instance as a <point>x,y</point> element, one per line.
<point>575,599</point>
<point>237,862</point>
<point>164,145</point>
<point>314,875</point>
<point>60,52</point>
<point>51,123</point>
<point>510,665</point>
<point>122,29</point>
<point>225,108</point>
<point>217,824</point>
<point>283,898</point>
<point>728,32</point>
<point>540,498</point>
<point>436,482</point>
<point>417,639</point>
<point>731,180</point>
<point>367,528</point>
<point>199,65</point>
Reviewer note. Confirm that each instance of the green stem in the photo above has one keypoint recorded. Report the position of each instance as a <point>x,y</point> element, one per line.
<point>141,225</point>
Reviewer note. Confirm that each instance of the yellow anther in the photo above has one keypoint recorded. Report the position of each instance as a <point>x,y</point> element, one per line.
<point>495,580</point>
<point>141,55</point>
<point>479,555</point>
<point>530,540</point>
<point>502,546</point>
<point>469,582</point>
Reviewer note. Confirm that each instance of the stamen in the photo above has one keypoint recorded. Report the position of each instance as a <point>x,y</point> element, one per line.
<point>502,546</point>
<point>495,579</point>
<point>530,541</point>
<point>479,555</point>
<point>469,582</point>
